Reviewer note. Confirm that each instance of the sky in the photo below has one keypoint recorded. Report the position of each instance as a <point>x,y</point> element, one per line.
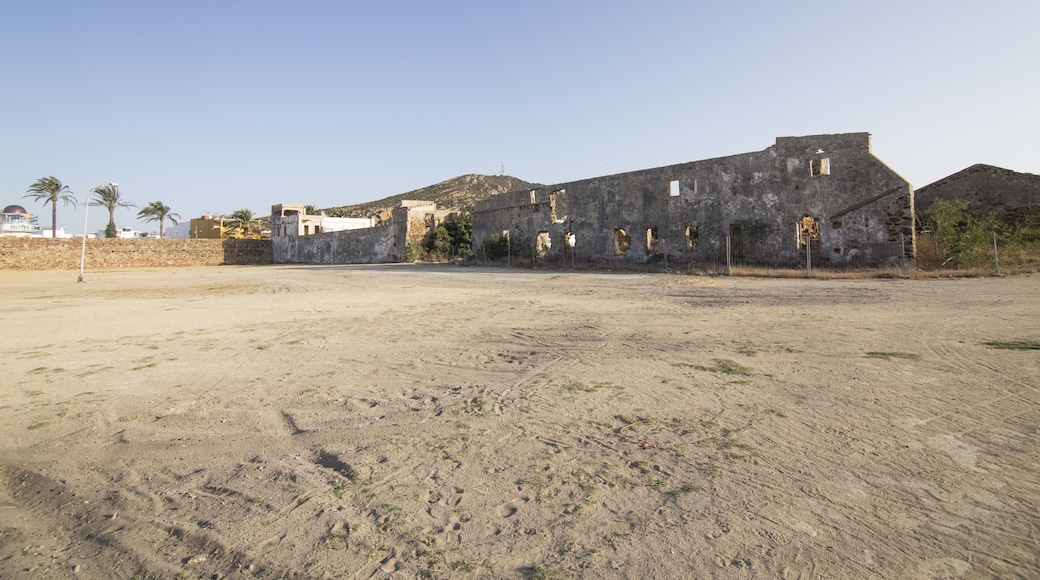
<point>215,106</point>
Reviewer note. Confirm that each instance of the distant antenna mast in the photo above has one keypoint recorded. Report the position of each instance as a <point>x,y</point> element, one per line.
<point>503,167</point>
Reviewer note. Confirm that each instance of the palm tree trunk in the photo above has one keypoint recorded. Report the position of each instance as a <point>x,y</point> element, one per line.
<point>54,217</point>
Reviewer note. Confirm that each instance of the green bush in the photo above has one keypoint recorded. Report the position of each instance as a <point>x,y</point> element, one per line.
<point>964,236</point>
<point>414,252</point>
<point>496,248</point>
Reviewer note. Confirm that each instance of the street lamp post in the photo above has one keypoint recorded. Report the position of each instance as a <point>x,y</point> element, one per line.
<point>83,249</point>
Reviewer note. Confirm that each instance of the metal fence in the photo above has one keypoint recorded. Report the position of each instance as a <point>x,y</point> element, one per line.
<point>724,261</point>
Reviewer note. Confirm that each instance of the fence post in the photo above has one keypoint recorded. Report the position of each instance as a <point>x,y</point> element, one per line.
<point>729,258</point>
<point>509,251</point>
<point>902,252</point>
<point>996,258</point>
<point>808,256</point>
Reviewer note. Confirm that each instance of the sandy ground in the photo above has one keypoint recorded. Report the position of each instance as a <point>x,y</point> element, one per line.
<point>443,422</point>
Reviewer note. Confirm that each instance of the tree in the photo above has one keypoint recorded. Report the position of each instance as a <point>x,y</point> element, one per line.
<point>454,237</point>
<point>107,196</point>
<point>310,210</point>
<point>51,190</point>
<point>156,211</point>
<point>461,231</point>
<point>439,240</point>
<point>247,226</point>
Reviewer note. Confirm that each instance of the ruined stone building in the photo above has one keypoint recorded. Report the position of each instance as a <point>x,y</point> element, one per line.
<point>988,188</point>
<point>318,239</point>
<point>827,193</point>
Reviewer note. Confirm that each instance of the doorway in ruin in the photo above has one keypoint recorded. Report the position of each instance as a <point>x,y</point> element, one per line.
<point>542,245</point>
<point>737,245</point>
<point>622,242</point>
<point>653,243</point>
<point>693,238</point>
<point>808,230</point>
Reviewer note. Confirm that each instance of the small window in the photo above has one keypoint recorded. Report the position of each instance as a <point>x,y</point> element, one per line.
<point>820,167</point>
<point>673,188</point>
<point>808,229</point>
<point>570,238</point>
<point>558,206</point>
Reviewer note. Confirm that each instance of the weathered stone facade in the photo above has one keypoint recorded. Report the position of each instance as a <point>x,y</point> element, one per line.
<point>827,191</point>
<point>986,187</point>
<point>64,253</point>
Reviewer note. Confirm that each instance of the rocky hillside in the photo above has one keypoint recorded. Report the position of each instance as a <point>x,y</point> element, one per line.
<point>459,193</point>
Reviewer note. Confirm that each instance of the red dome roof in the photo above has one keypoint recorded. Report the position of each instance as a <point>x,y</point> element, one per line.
<point>14,209</point>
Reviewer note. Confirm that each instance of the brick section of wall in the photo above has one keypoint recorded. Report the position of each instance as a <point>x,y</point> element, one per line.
<point>64,254</point>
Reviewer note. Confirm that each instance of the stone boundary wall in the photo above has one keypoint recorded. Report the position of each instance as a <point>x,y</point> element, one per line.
<point>64,254</point>
<point>361,246</point>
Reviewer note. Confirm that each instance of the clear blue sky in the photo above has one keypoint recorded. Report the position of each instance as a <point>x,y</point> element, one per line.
<point>216,106</point>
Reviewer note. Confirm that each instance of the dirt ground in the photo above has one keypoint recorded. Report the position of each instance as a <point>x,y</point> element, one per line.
<point>445,422</point>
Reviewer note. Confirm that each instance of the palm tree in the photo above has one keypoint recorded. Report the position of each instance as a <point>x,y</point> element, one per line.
<point>107,196</point>
<point>51,190</point>
<point>246,225</point>
<point>156,211</point>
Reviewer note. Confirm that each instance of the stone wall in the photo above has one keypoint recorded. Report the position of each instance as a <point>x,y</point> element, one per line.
<point>56,254</point>
<point>758,200</point>
<point>987,187</point>
<point>362,246</point>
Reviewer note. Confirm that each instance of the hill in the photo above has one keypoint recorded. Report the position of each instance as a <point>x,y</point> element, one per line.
<point>458,193</point>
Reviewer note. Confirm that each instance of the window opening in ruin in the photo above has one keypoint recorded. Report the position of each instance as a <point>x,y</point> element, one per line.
<point>820,167</point>
<point>808,229</point>
<point>621,242</point>
<point>542,245</point>
<point>558,206</point>
<point>653,244</point>
<point>673,188</point>
<point>693,237</point>
<point>570,238</point>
